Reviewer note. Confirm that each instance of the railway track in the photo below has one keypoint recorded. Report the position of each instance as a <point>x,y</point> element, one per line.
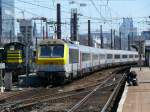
<point>95,105</point>
<point>63,100</point>
<point>63,97</point>
<point>89,80</point>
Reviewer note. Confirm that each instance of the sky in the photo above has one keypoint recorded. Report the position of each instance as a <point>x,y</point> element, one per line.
<point>108,13</point>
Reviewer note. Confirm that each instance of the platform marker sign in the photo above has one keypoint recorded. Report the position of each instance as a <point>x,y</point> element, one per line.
<point>2,65</point>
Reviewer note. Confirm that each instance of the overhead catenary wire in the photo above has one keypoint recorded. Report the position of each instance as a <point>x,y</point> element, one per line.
<point>42,6</point>
<point>103,19</point>
<point>34,14</point>
<point>93,3</point>
<point>83,16</point>
<point>63,11</point>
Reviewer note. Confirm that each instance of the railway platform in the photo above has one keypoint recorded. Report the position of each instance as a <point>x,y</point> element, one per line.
<point>137,98</point>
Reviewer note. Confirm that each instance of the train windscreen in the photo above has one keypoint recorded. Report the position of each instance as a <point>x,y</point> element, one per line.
<point>52,51</point>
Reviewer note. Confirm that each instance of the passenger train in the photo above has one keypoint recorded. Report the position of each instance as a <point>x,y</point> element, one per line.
<point>59,60</point>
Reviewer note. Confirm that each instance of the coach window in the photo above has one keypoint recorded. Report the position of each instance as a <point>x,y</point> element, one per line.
<point>73,56</point>
<point>117,56</point>
<point>109,56</point>
<point>130,56</point>
<point>124,56</point>
<point>136,56</point>
<point>95,57</point>
<point>85,56</point>
<point>102,56</point>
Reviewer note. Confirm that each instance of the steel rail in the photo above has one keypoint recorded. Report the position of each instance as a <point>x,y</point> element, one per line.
<point>37,98</point>
<point>77,105</point>
<point>20,106</point>
<point>61,97</point>
<point>14,95</point>
<point>113,94</point>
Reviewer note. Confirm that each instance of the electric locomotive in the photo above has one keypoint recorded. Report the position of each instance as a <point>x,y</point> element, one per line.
<point>15,58</point>
<point>59,61</point>
<point>51,58</point>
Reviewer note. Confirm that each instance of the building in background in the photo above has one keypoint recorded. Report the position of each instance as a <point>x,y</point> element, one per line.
<point>127,30</point>
<point>96,40</point>
<point>6,20</point>
<point>145,35</point>
<point>26,31</point>
<point>117,44</point>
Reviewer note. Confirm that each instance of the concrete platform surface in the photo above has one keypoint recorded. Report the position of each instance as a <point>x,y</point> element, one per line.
<point>137,98</point>
<point>143,75</point>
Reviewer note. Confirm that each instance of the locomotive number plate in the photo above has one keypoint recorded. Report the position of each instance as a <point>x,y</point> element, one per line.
<point>2,65</point>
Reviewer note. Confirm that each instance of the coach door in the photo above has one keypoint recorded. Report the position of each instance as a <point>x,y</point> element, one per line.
<point>74,61</point>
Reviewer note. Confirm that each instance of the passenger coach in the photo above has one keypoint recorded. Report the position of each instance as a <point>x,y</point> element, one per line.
<point>60,60</point>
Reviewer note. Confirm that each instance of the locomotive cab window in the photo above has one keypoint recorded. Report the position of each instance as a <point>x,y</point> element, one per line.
<point>53,51</point>
<point>12,48</point>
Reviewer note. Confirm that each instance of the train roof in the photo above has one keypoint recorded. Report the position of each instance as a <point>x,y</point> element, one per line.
<point>83,47</point>
<point>52,41</point>
<point>14,43</point>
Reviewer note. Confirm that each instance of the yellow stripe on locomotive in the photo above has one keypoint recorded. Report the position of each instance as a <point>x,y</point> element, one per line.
<point>14,51</point>
<point>15,61</point>
<point>14,56</point>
